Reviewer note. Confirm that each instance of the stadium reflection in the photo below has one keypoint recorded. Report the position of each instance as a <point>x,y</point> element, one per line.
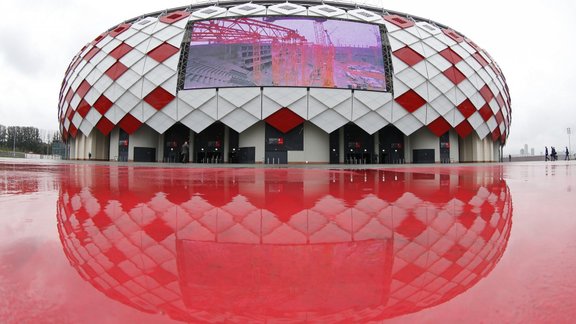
<point>245,245</point>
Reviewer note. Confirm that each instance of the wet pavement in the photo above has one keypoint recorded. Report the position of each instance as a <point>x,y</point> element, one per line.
<point>94,242</point>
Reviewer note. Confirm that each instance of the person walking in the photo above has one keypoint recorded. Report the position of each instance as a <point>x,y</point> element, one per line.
<point>546,153</point>
<point>184,152</point>
<point>567,157</point>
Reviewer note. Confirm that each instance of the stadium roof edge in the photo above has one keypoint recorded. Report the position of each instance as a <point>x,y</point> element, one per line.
<point>348,5</point>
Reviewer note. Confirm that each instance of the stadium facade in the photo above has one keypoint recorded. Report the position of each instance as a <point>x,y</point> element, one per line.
<point>284,82</point>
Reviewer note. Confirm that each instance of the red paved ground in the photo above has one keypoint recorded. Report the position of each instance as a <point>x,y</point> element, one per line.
<point>98,243</point>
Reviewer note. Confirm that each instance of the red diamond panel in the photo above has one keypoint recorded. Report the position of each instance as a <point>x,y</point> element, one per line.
<point>116,70</point>
<point>455,252</point>
<point>120,51</point>
<point>439,126</point>
<point>105,126</point>
<point>73,130</point>
<point>103,104</point>
<point>480,59</point>
<point>284,120</point>
<point>496,133</point>
<point>408,56</point>
<point>454,75</point>
<point>158,230</point>
<point>83,108</point>
<point>485,112</point>
<point>119,29</point>
<point>452,271</point>
<point>451,56</point>
<point>399,21</point>
<point>118,274</point>
<point>69,113</point>
<point>162,276</point>
<point>174,17</point>
<point>486,93</point>
<point>464,129</point>
<point>500,101</point>
<point>83,89</point>
<point>474,45</point>
<point>99,38</point>
<point>129,124</point>
<point>499,117</point>
<point>409,273</point>
<point>91,53</point>
<point>466,108</point>
<point>453,34</point>
<point>69,95</point>
<point>115,255</point>
<point>162,52</point>
<point>410,101</point>
<point>159,98</point>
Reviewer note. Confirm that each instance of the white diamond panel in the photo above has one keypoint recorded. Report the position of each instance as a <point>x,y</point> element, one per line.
<point>329,121</point>
<point>197,98</point>
<point>93,116</point>
<point>287,9</point>
<point>197,121</point>
<point>326,11</point>
<point>247,9</point>
<point>482,131</point>
<point>371,122</point>
<point>86,127</point>
<point>408,124</point>
<point>209,12</point>
<point>239,120</point>
<point>160,122</point>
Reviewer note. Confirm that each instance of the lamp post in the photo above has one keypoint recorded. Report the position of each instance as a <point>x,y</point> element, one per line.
<point>569,131</point>
<point>14,144</point>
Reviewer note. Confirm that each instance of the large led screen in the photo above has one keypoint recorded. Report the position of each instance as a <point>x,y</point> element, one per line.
<point>285,51</point>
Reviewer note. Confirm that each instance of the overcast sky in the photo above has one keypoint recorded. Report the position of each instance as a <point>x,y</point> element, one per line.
<point>532,41</point>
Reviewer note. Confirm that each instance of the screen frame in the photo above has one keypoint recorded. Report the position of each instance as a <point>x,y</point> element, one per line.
<point>385,44</point>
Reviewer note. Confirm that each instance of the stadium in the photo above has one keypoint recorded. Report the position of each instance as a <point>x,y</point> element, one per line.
<point>284,82</point>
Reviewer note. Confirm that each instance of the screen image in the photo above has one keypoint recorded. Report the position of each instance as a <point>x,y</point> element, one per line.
<point>285,51</point>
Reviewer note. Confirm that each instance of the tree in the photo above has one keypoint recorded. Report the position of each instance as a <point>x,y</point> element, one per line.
<point>27,139</point>
<point>3,136</point>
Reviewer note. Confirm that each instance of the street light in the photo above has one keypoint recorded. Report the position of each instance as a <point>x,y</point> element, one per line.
<point>14,145</point>
<point>568,131</point>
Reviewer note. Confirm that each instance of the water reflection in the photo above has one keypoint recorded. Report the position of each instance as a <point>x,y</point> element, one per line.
<point>268,244</point>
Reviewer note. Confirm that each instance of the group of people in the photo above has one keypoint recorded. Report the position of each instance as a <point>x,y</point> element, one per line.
<point>554,155</point>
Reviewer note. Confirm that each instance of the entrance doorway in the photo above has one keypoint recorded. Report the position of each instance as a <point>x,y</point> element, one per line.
<point>209,144</point>
<point>123,142</point>
<point>391,147</point>
<point>335,147</point>
<point>174,137</point>
<point>445,148</point>
<point>358,145</point>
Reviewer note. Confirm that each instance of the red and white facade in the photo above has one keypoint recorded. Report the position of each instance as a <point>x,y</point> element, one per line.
<point>126,81</point>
